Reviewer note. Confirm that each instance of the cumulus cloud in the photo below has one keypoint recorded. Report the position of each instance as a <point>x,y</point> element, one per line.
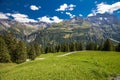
<point>3,16</point>
<point>105,8</point>
<point>56,19</point>
<point>53,19</point>
<point>45,19</point>
<point>22,18</point>
<point>62,7</point>
<point>69,14</point>
<point>66,7</point>
<point>33,7</point>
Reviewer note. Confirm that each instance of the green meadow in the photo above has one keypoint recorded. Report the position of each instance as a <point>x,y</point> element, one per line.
<point>84,65</point>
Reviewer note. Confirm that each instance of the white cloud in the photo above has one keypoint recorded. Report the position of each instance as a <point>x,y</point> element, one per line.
<point>103,8</point>
<point>66,7</point>
<point>71,7</point>
<point>56,19</point>
<point>33,7</point>
<point>80,15</point>
<point>3,16</point>
<point>8,14</point>
<point>71,15</point>
<point>62,7</point>
<point>45,19</point>
<point>22,18</point>
<point>91,14</point>
<point>53,19</point>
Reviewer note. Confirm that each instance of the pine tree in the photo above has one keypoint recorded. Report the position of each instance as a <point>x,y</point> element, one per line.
<point>75,46</point>
<point>38,49</point>
<point>71,45</point>
<point>118,48</point>
<point>46,50</point>
<point>11,45</point>
<point>57,47</point>
<point>62,47</point>
<point>67,47</point>
<point>21,54</point>
<point>80,46</point>
<point>31,52</point>
<point>4,54</point>
<point>91,46</point>
<point>107,45</point>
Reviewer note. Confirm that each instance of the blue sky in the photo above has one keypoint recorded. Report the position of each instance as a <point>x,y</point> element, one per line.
<point>55,10</point>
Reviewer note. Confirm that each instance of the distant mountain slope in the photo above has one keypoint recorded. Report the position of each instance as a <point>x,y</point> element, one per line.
<point>95,29</point>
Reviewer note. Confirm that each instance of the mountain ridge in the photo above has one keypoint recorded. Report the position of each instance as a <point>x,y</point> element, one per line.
<point>93,28</point>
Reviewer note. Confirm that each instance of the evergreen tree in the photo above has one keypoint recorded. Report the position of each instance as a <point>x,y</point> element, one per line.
<point>21,54</point>
<point>118,48</point>
<point>107,45</point>
<point>71,45</point>
<point>31,52</point>
<point>80,46</point>
<point>46,50</point>
<point>67,47</point>
<point>53,50</point>
<point>57,47</point>
<point>62,47</point>
<point>4,54</point>
<point>38,49</point>
<point>91,46</point>
<point>75,46</point>
<point>11,45</point>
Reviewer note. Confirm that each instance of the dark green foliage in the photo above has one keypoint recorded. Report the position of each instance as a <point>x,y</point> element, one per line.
<point>78,46</point>
<point>91,46</point>
<point>64,47</point>
<point>11,45</point>
<point>38,49</point>
<point>21,54</point>
<point>51,49</point>
<point>118,48</point>
<point>4,54</point>
<point>31,52</point>
<point>17,50</point>
<point>71,46</point>
<point>107,45</point>
<point>57,48</point>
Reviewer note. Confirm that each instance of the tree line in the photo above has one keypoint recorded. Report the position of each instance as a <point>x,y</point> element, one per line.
<point>17,51</point>
<point>78,46</point>
<point>13,50</point>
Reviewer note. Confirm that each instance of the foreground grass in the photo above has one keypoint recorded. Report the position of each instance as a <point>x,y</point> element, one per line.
<point>87,65</point>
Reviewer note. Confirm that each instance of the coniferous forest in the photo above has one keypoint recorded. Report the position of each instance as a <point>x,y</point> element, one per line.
<point>18,51</point>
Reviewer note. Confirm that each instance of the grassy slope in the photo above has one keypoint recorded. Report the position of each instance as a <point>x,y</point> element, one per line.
<point>90,65</point>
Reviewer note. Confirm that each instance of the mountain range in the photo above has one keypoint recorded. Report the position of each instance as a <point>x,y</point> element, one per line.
<point>91,29</point>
